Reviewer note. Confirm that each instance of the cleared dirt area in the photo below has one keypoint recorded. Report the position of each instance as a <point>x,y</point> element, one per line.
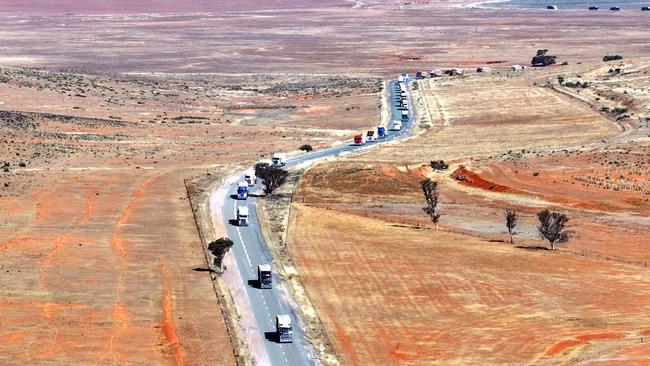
<point>390,289</point>
<point>379,37</point>
<point>99,246</point>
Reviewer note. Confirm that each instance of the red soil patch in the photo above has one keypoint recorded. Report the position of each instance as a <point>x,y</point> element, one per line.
<point>472,179</point>
<point>561,346</point>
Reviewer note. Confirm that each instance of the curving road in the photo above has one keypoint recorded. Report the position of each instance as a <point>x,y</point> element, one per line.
<point>250,250</point>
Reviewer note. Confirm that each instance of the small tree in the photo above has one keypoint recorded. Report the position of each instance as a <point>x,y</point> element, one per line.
<point>439,165</point>
<point>272,177</point>
<point>219,248</point>
<point>430,190</point>
<point>306,148</point>
<point>511,222</point>
<point>551,227</point>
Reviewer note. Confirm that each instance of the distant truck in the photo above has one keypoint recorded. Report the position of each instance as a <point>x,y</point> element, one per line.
<point>615,8</point>
<point>645,8</point>
<point>242,190</point>
<point>396,126</point>
<point>370,136</point>
<point>264,276</point>
<point>250,178</point>
<point>279,160</point>
<point>405,115</point>
<point>283,328</point>
<point>551,7</point>
<point>594,8</point>
<point>242,216</point>
<point>381,132</point>
<point>359,139</point>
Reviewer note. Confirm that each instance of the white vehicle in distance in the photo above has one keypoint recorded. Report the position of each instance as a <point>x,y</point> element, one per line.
<point>250,178</point>
<point>283,328</point>
<point>396,126</point>
<point>279,160</point>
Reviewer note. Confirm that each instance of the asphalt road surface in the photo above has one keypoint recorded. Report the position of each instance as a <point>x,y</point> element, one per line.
<point>250,250</point>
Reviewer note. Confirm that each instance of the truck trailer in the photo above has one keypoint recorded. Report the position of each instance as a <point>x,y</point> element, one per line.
<point>279,160</point>
<point>283,328</point>
<point>359,139</point>
<point>242,190</point>
<point>264,276</point>
<point>242,216</point>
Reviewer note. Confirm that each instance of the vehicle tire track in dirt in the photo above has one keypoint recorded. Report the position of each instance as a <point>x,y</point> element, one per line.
<point>168,327</point>
<point>120,315</point>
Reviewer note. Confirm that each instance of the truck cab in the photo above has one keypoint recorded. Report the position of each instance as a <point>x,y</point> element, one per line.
<point>264,278</point>
<point>359,139</point>
<point>370,136</point>
<point>396,126</point>
<point>250,178</point>
<point>242,190</point>
<point>283,328</point>
<point>279,160</point>
<point>242,216</point>
<point>381,132</point>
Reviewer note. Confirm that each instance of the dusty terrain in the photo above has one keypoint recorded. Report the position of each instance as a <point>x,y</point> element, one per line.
<point>378,37</point>
<point>98,242</point>
<point>390,288</point>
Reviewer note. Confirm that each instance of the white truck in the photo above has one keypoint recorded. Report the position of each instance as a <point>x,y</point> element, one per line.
<point>242,190</point>
<point>250,178</point>
<point>283,328</point>
<point>279,160</point>
<point>396,126</point>
<point>242,216</point>
<point>264,276</point>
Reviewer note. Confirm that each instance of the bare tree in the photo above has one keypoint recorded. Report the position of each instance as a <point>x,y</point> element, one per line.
<point>272,177</point>
<point>219,248</point>
<point>511,222</point>
<point>551,227</point>
<point>430,190</point>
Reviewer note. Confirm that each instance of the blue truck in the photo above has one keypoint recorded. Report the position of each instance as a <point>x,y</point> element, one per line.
<point>381,132</point>
<point>242,190</point>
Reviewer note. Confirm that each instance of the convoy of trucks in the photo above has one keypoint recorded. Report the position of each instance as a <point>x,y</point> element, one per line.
<point>242,190</point>
<point>264,276</point>
<point>283,328</point>
<point>242,216</point>
<point>279,160</point>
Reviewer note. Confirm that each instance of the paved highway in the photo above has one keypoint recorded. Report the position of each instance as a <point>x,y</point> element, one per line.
<point>249,250</point>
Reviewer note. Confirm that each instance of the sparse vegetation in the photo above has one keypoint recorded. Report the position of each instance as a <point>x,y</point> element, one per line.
<point>439,165</point>
<point>430,190</point>
<point>306,148</point>
<point>552,227</point>
<point>219,248</point>
<point>511,222</point>
<point>612,58</point>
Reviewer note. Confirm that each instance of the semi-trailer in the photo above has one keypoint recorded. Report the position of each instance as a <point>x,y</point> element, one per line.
<point>359,139</point>
<point>283,328</point>
<point>242,216</point>
<point>264,276</point>
<point>242,190</point>
<point>279,160</point>
<point>381,132</point>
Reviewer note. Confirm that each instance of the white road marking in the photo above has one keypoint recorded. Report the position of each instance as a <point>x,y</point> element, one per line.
<point>241,240</point>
